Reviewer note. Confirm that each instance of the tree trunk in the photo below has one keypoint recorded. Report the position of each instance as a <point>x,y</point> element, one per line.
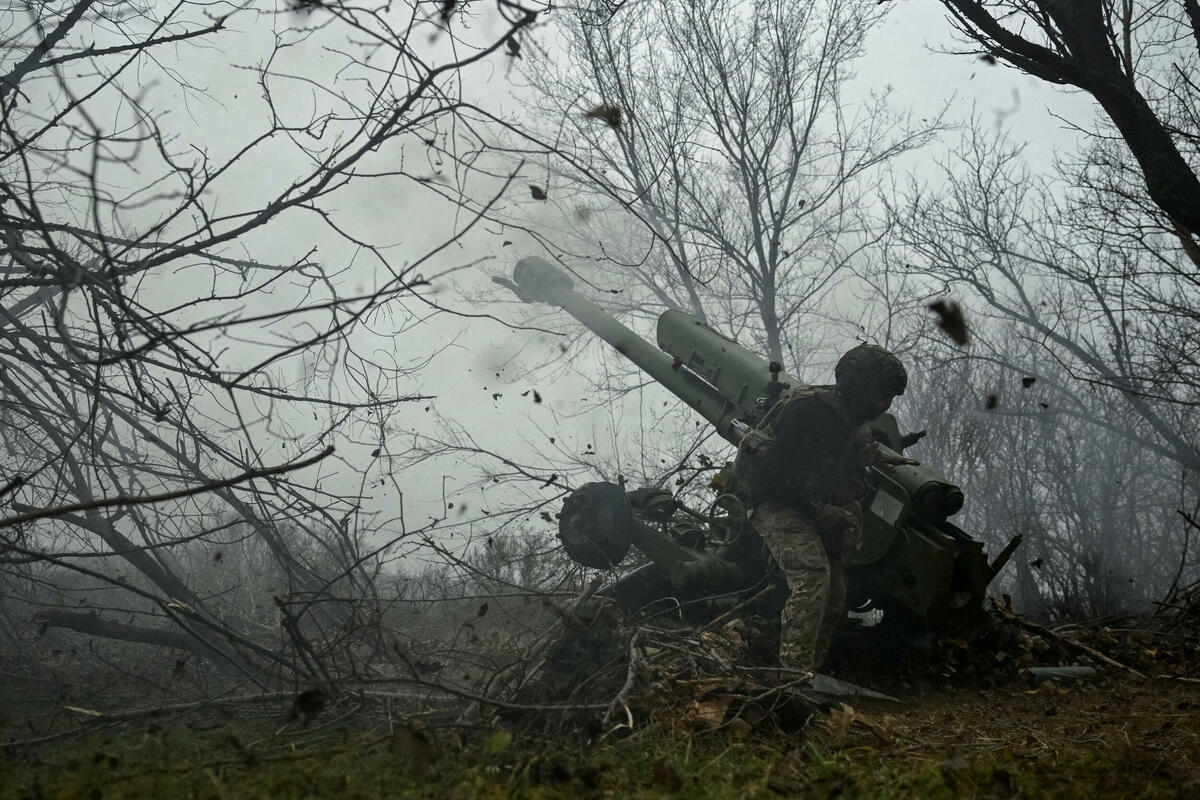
<point>92,625</point>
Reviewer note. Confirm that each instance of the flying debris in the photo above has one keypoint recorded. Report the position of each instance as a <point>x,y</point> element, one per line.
<point>951,320</point>
<point>607,113</point>
<point>307,705</point>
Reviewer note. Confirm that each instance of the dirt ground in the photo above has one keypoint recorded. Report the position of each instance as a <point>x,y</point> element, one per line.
<point>1114,738</point>
<point>971,723</point>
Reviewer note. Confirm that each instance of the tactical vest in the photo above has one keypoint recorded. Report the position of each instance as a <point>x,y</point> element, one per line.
<point>836,483</point>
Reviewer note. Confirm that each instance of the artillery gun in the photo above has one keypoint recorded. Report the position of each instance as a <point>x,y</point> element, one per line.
<point>913,564</point>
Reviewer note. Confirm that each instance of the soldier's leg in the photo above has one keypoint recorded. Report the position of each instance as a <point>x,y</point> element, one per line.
<point>835,610</point>
<point>835,605</point>
<point>800,556</point>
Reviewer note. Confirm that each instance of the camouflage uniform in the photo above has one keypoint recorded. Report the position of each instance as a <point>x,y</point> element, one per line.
<point>804,469</point>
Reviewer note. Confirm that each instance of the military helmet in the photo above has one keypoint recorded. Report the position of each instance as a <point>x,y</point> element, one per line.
<point>869,370</point>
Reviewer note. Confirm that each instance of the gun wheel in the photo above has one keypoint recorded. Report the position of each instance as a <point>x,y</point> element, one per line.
<point>726,518</point>
<point>595,525</point>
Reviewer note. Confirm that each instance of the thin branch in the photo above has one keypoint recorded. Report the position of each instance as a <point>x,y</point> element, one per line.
<point>123,501</point>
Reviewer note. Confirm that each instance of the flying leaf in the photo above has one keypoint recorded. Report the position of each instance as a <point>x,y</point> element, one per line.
<point>607,113</point>
<point>307,705</point>
<point>951,320</point>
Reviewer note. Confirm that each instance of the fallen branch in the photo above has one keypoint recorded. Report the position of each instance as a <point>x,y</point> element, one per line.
<point>503,680</point>
<point>1050,635</point>
<point>103,719</point>
<point>93,625</point>
<point>635,661</point>
<point>733,611</point>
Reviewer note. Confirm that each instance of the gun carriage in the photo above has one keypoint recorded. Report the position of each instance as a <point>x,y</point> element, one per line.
<point>913,563</point>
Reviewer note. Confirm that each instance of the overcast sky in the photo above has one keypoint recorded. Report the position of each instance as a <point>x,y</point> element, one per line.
<point>901,56</point>
<point>226,107</point>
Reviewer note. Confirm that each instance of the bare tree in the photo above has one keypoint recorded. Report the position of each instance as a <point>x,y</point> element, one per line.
<point>1137,59</point>
<point>1076,399</point>
<point>1046,254</point>
<point>1095,510</point>
<point>706,158</point>
<point>177,360</point>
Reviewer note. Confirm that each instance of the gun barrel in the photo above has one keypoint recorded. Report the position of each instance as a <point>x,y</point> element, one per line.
<point>739,374</point>
<point>537,280</point>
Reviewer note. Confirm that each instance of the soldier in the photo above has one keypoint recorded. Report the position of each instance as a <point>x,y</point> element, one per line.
<point>804,469</point>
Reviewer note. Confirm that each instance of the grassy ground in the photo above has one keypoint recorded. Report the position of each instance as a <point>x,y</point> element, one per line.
<point>1126,739</point>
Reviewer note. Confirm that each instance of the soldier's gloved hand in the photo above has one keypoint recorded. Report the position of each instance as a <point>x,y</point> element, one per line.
<point>889,461</point>
<point>836,519</point>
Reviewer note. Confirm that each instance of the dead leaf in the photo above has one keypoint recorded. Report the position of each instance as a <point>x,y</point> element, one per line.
<point>839,721</point>
<point>538,192</point>
<point>1028,381</point>
<point>951,320</point>
<point>710,713</point>
<point>607,113</point>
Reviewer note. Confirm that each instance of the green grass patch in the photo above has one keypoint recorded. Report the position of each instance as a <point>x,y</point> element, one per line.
<point>656,761</point>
